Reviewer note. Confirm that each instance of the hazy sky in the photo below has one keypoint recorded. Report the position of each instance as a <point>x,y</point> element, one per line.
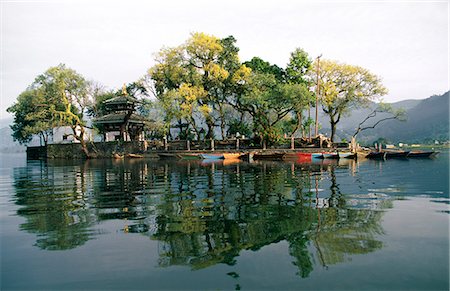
<point>406,43</point>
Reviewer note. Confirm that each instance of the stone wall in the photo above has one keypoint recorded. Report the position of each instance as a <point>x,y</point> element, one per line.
<point>98,149</point>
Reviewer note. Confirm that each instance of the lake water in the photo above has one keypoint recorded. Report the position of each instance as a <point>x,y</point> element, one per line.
<point>143,224</point>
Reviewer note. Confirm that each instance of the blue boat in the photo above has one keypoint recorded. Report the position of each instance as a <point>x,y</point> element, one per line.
<point>317,155</point>
<point>212,156</point>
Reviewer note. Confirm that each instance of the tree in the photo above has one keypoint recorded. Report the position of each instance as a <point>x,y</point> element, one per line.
<point>31,116</point>
<point>297,74</point>
<point>66,87</point>
<point>61,97</point>
<point>193,80</point>
<point>272,99</point>
<point>345,86</point>
<point>387,112</point>
<point>268,102</point>
<point>298,67</point>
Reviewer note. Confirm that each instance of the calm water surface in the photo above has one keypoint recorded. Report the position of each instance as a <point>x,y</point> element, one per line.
<point>145,224</point>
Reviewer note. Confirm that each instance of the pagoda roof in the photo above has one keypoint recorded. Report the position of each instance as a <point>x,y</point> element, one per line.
<point>120,118</point>
<point>123,99</point>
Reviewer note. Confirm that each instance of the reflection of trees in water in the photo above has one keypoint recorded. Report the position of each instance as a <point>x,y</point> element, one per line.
<point>53,201</point>
<point>201,214</point>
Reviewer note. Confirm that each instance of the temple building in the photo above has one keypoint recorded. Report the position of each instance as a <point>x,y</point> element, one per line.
<point>121,121</point>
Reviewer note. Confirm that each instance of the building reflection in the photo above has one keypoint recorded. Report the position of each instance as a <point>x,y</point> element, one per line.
<point>201,213</point>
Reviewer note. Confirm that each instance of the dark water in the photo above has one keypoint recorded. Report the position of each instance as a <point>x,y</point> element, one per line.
<point>144,224</point>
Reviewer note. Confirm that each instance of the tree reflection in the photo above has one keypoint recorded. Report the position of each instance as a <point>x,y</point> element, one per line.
<point>53,201</point>
<point>201,214</point>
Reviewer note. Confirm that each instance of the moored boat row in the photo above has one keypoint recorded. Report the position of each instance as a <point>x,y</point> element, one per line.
<point>300,156</point>
<point>272,156</point>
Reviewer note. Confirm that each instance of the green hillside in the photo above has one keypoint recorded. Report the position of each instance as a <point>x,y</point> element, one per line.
<point>427,121</point>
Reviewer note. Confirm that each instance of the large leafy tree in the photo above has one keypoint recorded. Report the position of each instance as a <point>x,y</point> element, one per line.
<point>60,96</point>
<point>193,80</point>
<point>268,99</point>
<point>343,87</point>
<point>275,101</point>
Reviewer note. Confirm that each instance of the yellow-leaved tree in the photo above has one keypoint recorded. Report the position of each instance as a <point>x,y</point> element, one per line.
<point>193,81</point>
<point>343,87</point>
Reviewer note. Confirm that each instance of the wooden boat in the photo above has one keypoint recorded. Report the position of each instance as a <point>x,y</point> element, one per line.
<point>117,156</point>
<point>396,154</point>
<point>189,156</point>
<point>330,155</point>
<point>212,156</point>
<point>422,154</point>
<point>134,156</point>
<point>168,156</point>
<point>317,155</point>
<point>247,157</point>
<point>231,155</point>
<point>347,155</point>
<point>376,155</point>
<point>269,156</point>
<point>304,157</point>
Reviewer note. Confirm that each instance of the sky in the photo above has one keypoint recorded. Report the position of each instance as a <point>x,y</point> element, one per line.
<point>406,43</point>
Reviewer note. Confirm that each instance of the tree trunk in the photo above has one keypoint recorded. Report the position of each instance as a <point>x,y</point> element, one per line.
<point>333,124</point>
<point>210,125</point>
<point>333,131</point>
<point>80,138</point>
<point>222,123</point>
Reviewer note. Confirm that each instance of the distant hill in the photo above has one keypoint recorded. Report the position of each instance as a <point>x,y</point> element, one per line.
<point>427,121</point>
<point>7,144</point>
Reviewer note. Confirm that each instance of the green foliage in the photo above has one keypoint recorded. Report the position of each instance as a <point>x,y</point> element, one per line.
<point>59,97</point>
<point>260,66</point>
<point>298,67</point>
<point>238,126</point>
<point>31,116</point>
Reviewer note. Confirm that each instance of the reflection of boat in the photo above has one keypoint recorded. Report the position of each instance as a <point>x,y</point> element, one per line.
<point>227,162</point>
<point>269,156</point>
<point>396,154</point>
<point>422,154</point>
<point>212,161</point>
<point>212,156</point>
<point>376,155</point>
<point>304,157</point>
<point>231,155</point>
<point>347,155</point>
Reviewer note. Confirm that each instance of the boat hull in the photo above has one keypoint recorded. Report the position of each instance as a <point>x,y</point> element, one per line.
<point>396,154</point>
<point>347,155</point>
<point>270,157</point>
<point>422,154</point>
<point>231,156</point>
<point>212,156</point>
<point>330,156</point>
<point>376,155</point>
<point>317,156</point>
